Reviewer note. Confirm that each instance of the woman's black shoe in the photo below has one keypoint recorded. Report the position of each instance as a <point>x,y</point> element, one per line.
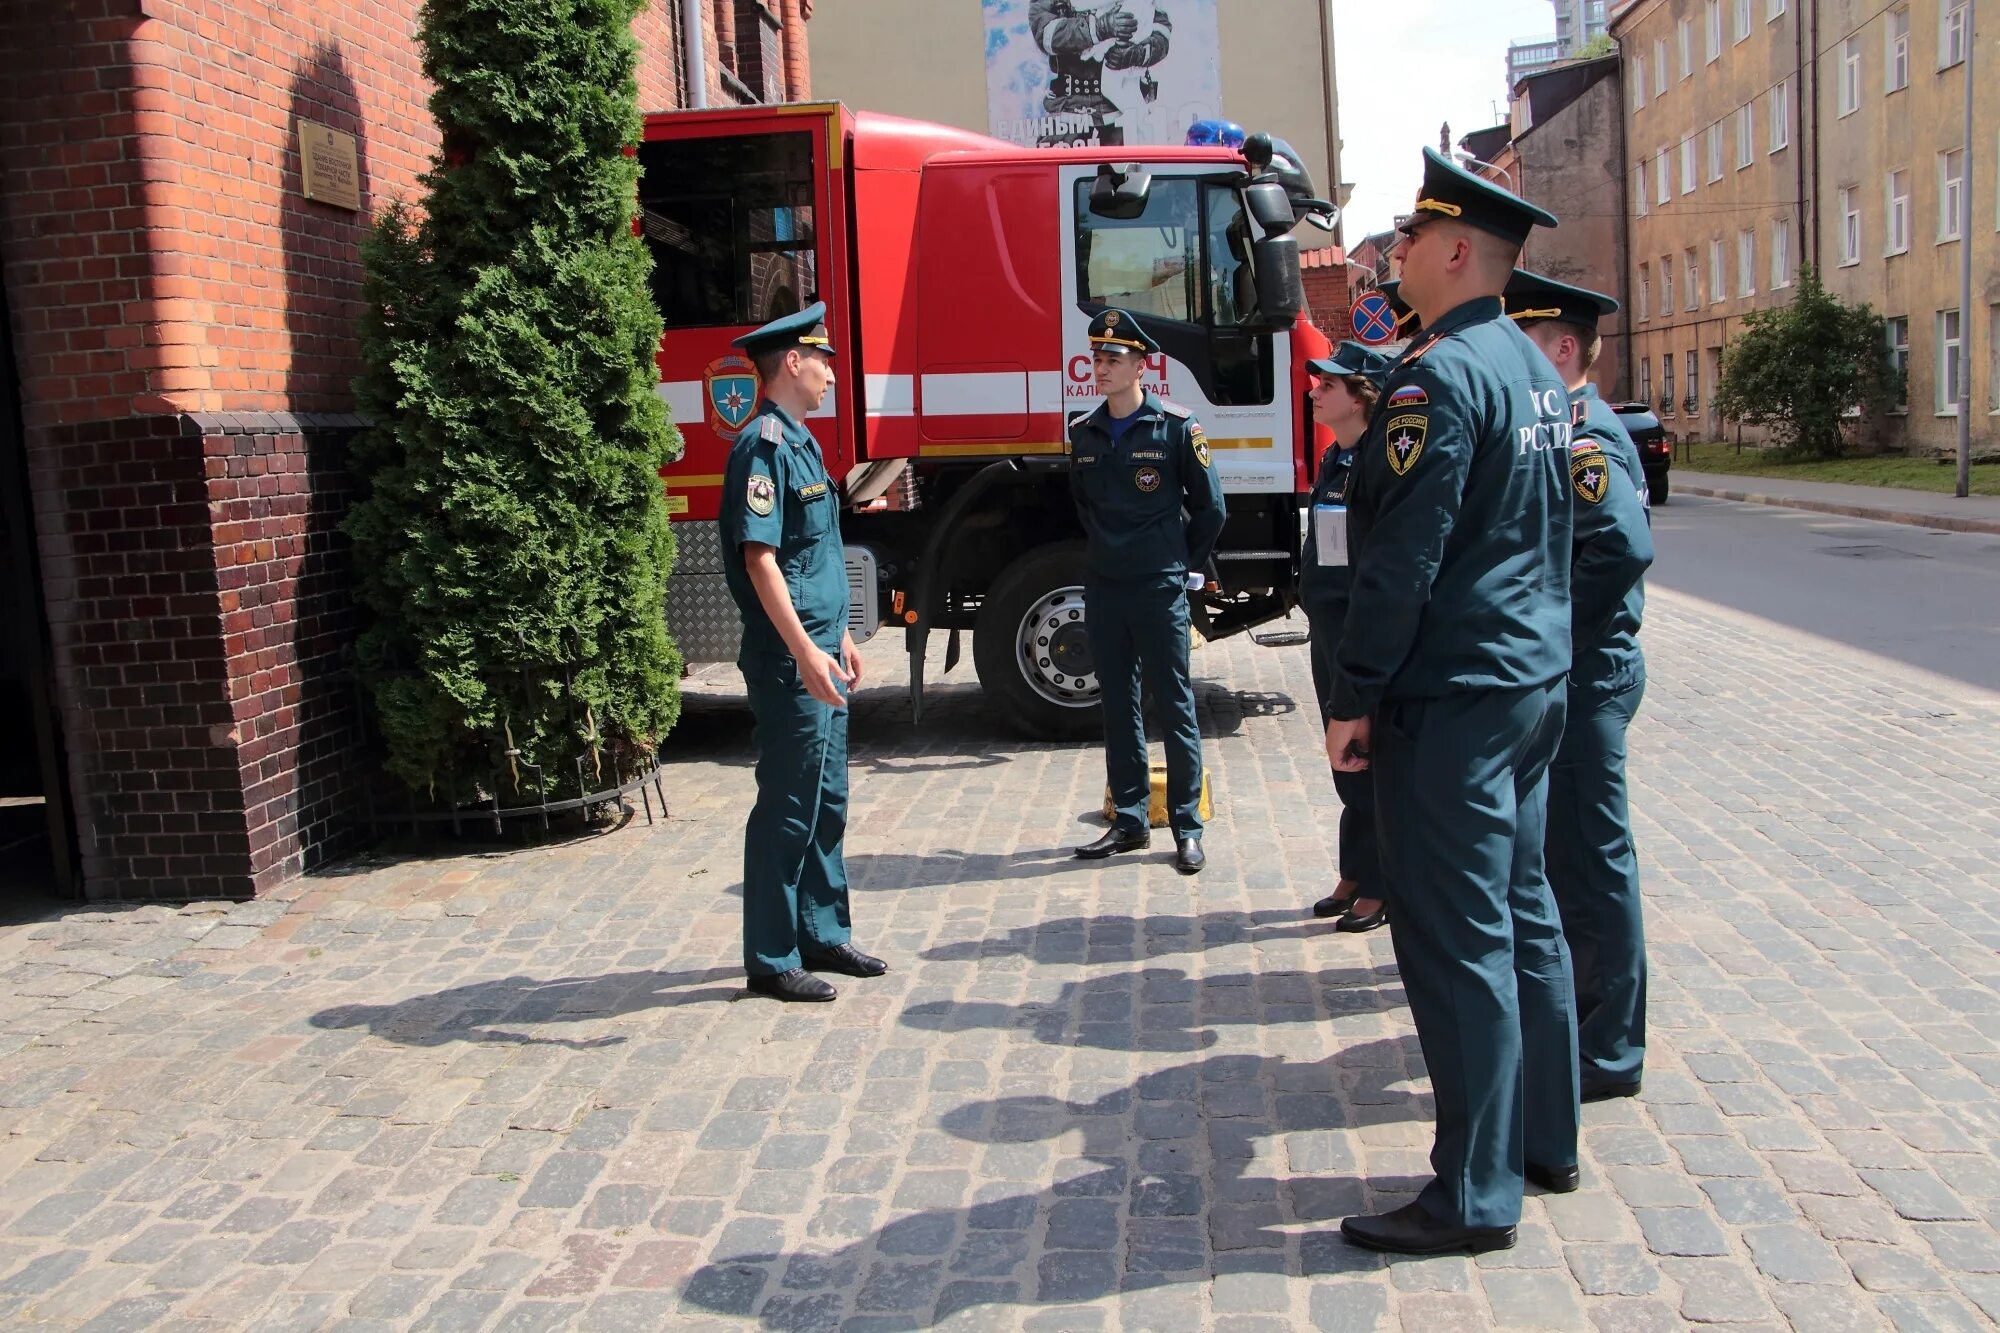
<point>797,984</point>
<point>1334,904</point>
<point>1356,925</point>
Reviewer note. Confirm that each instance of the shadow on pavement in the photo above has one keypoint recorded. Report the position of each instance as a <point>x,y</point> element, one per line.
<point>1132,1207</point>
<point>486,1011</point>
<point>1118,939</point>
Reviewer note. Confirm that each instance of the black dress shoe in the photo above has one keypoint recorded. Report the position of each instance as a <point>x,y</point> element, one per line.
<point>797,984</point>
<point>1604,1092</point>
<point>846,959</point>
<point>1117,840</point>
<point>1554,1179</point>
<point>1188,856</point>
<point>1353,924</point>
<point>1412,1230</point>
<point>1333,905</point>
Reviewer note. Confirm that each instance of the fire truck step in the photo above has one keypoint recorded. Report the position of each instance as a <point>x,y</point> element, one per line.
<point>1280,638</point>
<point>1253,555</point>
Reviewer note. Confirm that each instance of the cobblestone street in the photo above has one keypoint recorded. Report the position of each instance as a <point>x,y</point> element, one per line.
<point>520,1091</point>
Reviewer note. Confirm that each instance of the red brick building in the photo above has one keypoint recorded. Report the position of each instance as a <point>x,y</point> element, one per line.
<point>177,405</point>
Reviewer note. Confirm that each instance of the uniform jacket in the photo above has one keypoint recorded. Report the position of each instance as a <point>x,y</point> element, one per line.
<point>1613,544</point>
<point>776,491</point>
<point>1129,494</point>
<point>1323,588</point>
<point>1460,521</point>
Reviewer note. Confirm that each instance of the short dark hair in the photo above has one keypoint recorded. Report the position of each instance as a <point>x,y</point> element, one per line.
<point>768,363</point>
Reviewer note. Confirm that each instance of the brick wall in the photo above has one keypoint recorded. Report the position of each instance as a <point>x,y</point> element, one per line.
<point>185,325</point>
<point>1328,302</point>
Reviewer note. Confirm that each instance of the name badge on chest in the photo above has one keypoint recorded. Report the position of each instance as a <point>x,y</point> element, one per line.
<point>1330,534</point>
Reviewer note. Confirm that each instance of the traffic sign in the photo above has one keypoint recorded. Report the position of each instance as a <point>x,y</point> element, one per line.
<point>1374,319</point>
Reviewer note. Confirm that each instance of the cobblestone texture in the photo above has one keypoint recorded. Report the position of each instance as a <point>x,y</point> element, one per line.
<point>522,1090</point>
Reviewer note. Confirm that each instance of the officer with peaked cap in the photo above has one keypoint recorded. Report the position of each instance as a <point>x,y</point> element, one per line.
<point>785,569</point>
<point>1449,684</point>
<point>1135,461</point>
<point>1346,390</point>
<point>1593,869</point>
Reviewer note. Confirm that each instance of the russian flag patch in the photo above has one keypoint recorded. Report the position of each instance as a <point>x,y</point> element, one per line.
<point>1410,395</point>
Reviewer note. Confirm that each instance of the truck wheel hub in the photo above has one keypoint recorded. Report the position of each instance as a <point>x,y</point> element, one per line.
<point>1053,650</point>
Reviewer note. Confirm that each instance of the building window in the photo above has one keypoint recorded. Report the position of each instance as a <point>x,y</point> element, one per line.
<point>1850,226</point>
<point>1715,152</point>
<point>1850,76</point>
<point>1746,138</point>
<point>1646,380</point>
<point>1660,67</point>
<point>1950,363</point>
<point>1667,385</point>
<point>1639,187</point>
<point>1663,174</point>
<point>1899,213</point>
<point>1718,271</point>
<point>1897,75</point>
<point>1781,254</point>
<point>1666,286</point>
<point>1781,116</point>
<point>1774,10</point>
<point>1993,358</point>
<point>1687,166</point>
<point>1693,401</point>
<point>1645,292</point>
<point>1899,355</point>
<point>1684,34</point>
<point>1742,20</point>
<point>1712,29</point>
<point>1691,271</point>
<point>1639,84</point>
<point>1951,34</point>
<point>1951,190</point>
<point>1746,262</point>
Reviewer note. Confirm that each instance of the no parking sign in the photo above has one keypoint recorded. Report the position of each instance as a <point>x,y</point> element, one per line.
<point>1373,318</point>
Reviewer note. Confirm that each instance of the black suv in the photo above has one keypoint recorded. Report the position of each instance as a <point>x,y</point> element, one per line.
<point>1656,455</point>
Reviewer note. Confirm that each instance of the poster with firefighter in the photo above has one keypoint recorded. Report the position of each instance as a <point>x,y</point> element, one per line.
<point>1080,73</point>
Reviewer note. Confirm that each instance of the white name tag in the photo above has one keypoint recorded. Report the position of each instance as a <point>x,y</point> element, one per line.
<point>1330,534</point>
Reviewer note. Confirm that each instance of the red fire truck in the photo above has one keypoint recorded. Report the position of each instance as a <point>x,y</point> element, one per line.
<point>961,273</point>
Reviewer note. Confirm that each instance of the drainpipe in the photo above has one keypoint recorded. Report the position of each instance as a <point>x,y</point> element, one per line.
<point>1815,134</point>
<point>1799,158</point>
<point>695,49</point>
<point>1332,115</point>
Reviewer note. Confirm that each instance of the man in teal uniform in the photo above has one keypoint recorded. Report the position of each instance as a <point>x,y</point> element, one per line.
<point>786,571</point>
<point>1134,462</point>
<point>1450,684</point>
<point>1346,391</point>
<point>1592,866</point>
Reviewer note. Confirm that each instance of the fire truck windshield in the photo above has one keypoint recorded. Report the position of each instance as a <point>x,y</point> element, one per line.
<point>1184,258</point>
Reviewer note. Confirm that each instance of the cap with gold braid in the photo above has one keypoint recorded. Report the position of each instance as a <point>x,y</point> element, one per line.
<point>1450,191</point>
<point>1531,298</point>
<point>1117,331</point>
<point>805,329</point>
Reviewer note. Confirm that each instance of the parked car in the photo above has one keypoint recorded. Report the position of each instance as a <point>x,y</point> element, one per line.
<point>1656,452</point>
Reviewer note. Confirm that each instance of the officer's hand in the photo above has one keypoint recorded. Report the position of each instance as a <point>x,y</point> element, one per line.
<point>850,657</point>
<point>1347,744</point>
<point>823,678</point>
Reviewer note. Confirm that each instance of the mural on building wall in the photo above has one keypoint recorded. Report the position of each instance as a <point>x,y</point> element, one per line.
<point>1085,72</point>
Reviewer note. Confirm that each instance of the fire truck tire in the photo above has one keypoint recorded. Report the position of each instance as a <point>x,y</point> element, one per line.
<point>1029,649</point>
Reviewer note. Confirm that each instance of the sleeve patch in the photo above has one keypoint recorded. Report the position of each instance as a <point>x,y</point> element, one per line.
<point>1589,475</point>
<point>1404,440</point>
<point>1410,395</point>
<point>1199,439</point>
<point>761,495</point>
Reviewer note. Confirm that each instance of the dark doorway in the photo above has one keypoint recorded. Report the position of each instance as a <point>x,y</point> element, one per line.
<point>37,854</point>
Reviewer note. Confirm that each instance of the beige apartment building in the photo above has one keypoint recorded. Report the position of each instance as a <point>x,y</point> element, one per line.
<point>927,59</point>
<point>1763,134</point>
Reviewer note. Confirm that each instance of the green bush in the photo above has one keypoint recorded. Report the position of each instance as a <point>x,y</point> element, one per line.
<point>511,538</point>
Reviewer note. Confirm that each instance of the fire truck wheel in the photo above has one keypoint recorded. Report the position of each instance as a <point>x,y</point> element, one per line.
<point>1029,647</point>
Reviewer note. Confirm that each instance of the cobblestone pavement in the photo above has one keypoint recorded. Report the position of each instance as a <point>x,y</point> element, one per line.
<point>521,1092</point>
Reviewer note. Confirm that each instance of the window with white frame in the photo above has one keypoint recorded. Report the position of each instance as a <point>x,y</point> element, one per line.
<point>1691,274</point>
<point>1646,380</point>
<point>1667,384</point>
<point>1712,29</point>
<point>1693,401</point>
<point>1850,225</point>
<point>1951,33</point>
<point>1899,355</point>
<point>1781,254</point>
<point>1659,67</point>
<point>1718,271</point>
<point>1746,137</point>
<point>1638,83</point>
<point>1774,10</point>
<point>1666,285</point>
<point>1898,192</point>
<point>1781,116</point>
<point>1684,35</point>
<point>1645,292</point>
<point>1715,152</point>
<point>1687,165</point>
<point>1850,76</point>
<point>1663,178</point>
<point>1742,20</point>
<point>1897,75</point>
<point>1993,358</point>
<point>1950,362</point>
<point>1746,262</point>
<point>1639,188</point>
<point>1951,189</point>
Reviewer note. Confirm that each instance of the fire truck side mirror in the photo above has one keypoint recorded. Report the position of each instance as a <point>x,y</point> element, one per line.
<point>1281,293</point>
<point>1120,192</point>
<point>1270,206</point>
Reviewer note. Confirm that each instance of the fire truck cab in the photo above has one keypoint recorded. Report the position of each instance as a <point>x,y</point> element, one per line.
<point>961,273</point>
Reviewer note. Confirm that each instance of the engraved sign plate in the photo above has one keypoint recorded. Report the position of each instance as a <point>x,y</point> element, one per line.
<point>328,166</point>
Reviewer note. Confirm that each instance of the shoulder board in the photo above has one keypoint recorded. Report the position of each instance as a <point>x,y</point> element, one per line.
<point>1430,340</point>
<point>1176,410</point>
<point>772,429</point>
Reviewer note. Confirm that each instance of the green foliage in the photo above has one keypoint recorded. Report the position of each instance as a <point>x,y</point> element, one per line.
<point>511,538</point>
<point>1600,45</point>
<point>1799,369</point>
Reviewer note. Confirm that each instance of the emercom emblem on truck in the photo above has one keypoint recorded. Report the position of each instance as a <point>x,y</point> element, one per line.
<point>732,394</point>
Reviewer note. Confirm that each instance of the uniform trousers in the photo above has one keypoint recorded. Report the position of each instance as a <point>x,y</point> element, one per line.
<point>1141,625</point>
<point>794,873</point>
<point>1461,801</point>
<point>1360,847</point>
